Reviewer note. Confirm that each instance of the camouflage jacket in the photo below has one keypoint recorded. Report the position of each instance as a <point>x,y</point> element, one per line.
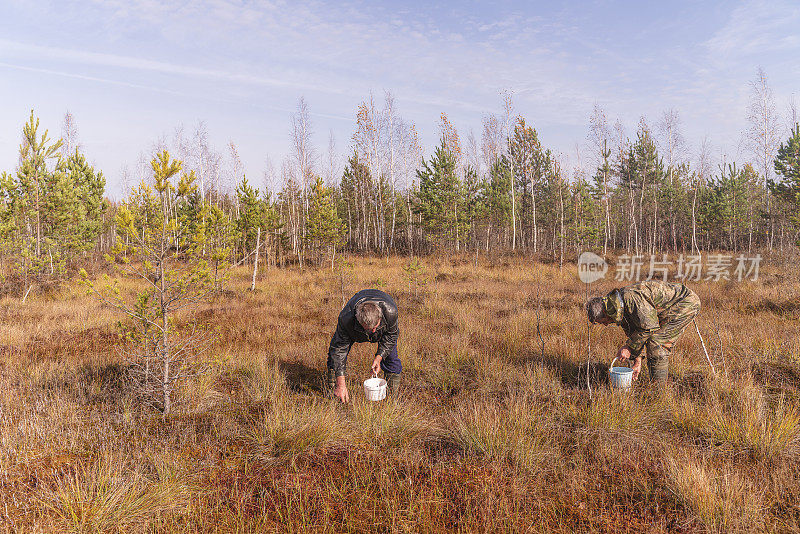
<point>640,308</point>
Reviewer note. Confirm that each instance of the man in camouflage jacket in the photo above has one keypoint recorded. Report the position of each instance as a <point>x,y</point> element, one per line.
<point>653,314</point>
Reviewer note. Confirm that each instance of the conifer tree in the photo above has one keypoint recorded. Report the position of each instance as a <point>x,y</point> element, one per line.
<point>219,244</point>
<point>11,240</point>
<point>35,153</point>
<point>724,205</point>
<point>164,249</point>
<point>251,215</point>
<point>61,213</point>
<point>25,197</point>
<point>787,165</point>
<point>90,188</point>
<point>601,190</point>
<point>356,190</point>
<point>325,228</point>
<point>440,197</point>
<point>586,218</point>
<point>498,198</point>
<point>475,208</point>
<point>257,221</point>
<point>52,209</point>
<point>530,163</point>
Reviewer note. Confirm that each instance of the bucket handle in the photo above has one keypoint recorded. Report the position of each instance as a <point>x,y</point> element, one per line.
<point>374,375</point>
<point>612,365</point>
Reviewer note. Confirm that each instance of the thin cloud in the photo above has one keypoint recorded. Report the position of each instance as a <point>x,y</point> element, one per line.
<point>89,78</point>
<point>162,90</point>
<point>758,27</point>
<point>133,63</point>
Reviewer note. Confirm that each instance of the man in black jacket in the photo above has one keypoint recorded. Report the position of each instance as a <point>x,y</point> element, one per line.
<point>370,316</point>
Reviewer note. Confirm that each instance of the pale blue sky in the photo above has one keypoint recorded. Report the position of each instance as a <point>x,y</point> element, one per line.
<point>130,71</point>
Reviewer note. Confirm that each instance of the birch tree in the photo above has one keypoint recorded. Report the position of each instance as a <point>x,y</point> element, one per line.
<point>673,146</point>
<point>508,113</point>
<point>599,137</point>
<point>370,143</point>
<point>304,159</point>
<point>449,152</point>
<point>69,136</point>
<point>291,206</point>
<point>763,135</point>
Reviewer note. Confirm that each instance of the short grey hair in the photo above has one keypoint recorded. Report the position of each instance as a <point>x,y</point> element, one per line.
<point>595,309</point>
<point>368,314</point>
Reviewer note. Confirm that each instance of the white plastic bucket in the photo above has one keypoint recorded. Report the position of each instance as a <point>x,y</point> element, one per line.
<point>620,377</point>
<point>375,388</point>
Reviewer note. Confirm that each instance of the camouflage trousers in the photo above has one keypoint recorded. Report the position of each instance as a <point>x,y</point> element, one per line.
<point>673,323</point>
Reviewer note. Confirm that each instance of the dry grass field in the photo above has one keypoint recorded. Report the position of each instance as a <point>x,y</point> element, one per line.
<point>494,430</point>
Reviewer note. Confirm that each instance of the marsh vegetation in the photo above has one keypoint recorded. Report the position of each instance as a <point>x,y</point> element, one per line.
<point>491,432</point>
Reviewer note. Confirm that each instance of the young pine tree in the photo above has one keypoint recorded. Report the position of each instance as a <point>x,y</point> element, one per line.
<point>32,175</point>
<point>161,247</point>
<point>498,199</point>
<point>324,227</point>
<point>26,197</point>
<point>52,209</point>
<point>251,214</point>
<point>440,198</point>
<point>787,165</point>
<point>90,186</point>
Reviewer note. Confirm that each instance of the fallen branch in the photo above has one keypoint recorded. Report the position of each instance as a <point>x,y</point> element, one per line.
<point>703,343</point>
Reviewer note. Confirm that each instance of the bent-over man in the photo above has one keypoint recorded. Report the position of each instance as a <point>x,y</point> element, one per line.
<point>370,316</point>
<point>653,314</point>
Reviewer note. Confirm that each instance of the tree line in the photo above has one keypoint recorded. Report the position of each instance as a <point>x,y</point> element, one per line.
<point>505,192</point>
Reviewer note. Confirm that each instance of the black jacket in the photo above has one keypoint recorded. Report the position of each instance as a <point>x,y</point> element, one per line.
<point>349,330</point>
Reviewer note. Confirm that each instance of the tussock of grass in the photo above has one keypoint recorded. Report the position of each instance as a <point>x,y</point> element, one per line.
<point>739,419</point>
<point>722,502</point>
<point>388,425</point>
<point>265,382</point>
<point>764,432</point>
<point>616,411</point>
<point>517,432</point>
<point>285,428</point>
<point>686,416</point>
<point>543,384</point>
<point>102,498</point>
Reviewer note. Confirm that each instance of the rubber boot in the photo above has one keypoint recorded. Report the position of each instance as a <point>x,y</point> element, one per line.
<point>330,383</point>
<point>658,364</point>
<point>392,382</point>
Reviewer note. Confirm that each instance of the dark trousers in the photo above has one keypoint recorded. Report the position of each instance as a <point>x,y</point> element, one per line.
<point>392,364</point>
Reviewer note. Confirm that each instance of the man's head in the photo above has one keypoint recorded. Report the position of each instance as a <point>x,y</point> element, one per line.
<point>368,314</point>
<point>596,311</point>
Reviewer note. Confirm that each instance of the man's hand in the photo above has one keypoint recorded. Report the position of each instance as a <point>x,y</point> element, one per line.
<point>376,365</point>
<point>624,353</point>
<point>637,367</point>
<point>341,390</point>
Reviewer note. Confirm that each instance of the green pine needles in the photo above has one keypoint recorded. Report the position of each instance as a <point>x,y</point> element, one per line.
<point>51,211</point>
<point>167,237</point>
